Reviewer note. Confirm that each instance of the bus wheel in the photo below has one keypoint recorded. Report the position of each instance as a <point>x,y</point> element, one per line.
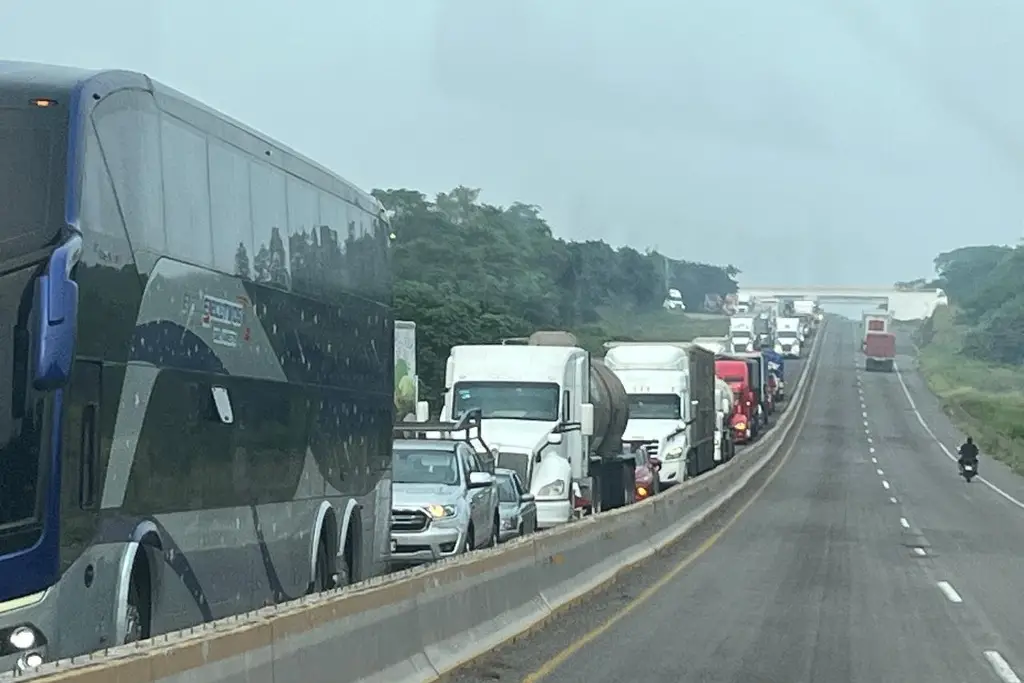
<point>136,622</point>
<point>323,578</point>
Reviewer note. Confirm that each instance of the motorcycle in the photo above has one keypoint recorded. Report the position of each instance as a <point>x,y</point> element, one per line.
<point>967,471</point>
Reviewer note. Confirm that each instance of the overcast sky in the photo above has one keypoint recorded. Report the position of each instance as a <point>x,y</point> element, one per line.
<point>805,141</point>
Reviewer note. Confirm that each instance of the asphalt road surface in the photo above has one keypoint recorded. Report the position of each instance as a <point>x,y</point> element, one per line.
<point>864,558</point>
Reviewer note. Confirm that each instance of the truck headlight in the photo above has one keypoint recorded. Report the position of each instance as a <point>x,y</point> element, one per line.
<point>440,511</point>
<point>674,453</point>
<point>552,490</point>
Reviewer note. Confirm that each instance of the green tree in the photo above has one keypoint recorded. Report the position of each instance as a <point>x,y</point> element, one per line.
<point>470,272</point>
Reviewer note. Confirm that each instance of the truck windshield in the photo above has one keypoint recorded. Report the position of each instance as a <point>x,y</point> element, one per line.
<point>424,467</point>
<point>508,400</point>
<point>20,425</point>
<point>787,334</point>
<point>653,407</point>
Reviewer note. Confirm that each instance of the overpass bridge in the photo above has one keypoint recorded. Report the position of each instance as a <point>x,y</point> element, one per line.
<point>903,305</point>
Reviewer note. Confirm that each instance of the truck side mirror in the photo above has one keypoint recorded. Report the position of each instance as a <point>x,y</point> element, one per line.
<point>587,419</point>
<point>422,411</point>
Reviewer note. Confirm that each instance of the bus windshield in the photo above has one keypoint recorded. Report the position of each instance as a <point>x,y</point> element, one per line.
<point>20,428</point>
<point>508,400</point>
<point>31,177</point>
<point>32,168</point>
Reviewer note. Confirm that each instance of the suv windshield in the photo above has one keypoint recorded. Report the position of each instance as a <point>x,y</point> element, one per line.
<point>654,406</point>
<point>508,400</point>
<point>425,467</point>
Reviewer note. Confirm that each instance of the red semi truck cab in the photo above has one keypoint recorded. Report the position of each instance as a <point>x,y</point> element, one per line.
<point>879,351</point>
<point>734,373</point>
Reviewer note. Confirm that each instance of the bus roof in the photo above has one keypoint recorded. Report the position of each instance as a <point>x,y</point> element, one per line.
<point>62,82</point>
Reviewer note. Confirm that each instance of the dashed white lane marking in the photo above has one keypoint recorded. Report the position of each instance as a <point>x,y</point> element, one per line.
<point>871,449</point>
<point>951,456</point>
<point>880,473</point>
<point>893,500</point>
<point>869,440</point>
<point>865,417</point>
<point>874,460</point>
<point>950,592</point>
<point>865,423</point>
<point>885,485</point>
<point>1002,668</point>
<point>904,523</point>
<point>919,552</point>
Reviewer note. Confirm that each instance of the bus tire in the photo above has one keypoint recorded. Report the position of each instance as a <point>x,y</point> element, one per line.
<point>322,576</point>
<point>138,609</point>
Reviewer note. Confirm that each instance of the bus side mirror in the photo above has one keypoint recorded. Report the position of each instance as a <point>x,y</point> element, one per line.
<point>57,325</point>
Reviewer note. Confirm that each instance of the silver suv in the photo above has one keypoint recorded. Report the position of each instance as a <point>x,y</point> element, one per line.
<point>443,502</point>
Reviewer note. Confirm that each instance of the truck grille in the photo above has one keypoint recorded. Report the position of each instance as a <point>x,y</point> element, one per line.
<point>408,520</point>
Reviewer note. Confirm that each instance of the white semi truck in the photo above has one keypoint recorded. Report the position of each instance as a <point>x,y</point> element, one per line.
<point>788,337</point>
<point>551,413</point>
<point>656,378</point>
<point>741,333</point>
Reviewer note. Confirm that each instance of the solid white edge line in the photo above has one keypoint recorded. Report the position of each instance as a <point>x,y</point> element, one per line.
<point>904,523</point>
<point>1002,668</point>
<point>950,592</point>
<point>917,414</point>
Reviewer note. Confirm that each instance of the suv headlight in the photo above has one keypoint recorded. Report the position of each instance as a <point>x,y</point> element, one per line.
<point>440,511</point>
<point>674,453</point>
<point>554,489</point>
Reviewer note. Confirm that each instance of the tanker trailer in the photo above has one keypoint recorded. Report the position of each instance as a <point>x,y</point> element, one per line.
<point>612,469</point>
<point>605,467</point>
<point>725,447</point>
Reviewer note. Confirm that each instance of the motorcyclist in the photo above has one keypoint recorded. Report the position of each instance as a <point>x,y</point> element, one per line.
<point>968,454</point>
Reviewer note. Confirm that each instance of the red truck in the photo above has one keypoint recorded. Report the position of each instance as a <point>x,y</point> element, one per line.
<point>735,373</point>
<point>877,321</point>
<point>879,351</point>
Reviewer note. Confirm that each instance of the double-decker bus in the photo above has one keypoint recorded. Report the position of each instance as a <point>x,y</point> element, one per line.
<point>196,366</point>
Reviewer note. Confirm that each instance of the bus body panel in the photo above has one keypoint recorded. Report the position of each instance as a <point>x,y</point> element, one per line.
<point>283,305</point>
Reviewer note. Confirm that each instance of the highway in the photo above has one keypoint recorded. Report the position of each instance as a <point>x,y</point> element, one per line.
<point>863,558</point>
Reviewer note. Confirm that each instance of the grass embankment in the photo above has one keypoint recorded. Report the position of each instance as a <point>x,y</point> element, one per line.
<point>983,399</point>
<point>655,326</point>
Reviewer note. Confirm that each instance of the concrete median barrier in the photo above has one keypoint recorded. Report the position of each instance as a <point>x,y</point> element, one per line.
<point>414,625</point>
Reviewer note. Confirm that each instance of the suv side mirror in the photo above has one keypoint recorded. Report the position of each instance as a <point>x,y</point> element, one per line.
<point>527,498</point>
<point>480,480</point>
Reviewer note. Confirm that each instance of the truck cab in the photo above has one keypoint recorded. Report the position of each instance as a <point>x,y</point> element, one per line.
<point>741,334</point>
<point>788,337</point>
<point>534,402</point>
<point>735,373</point>
<point>657,380</point>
